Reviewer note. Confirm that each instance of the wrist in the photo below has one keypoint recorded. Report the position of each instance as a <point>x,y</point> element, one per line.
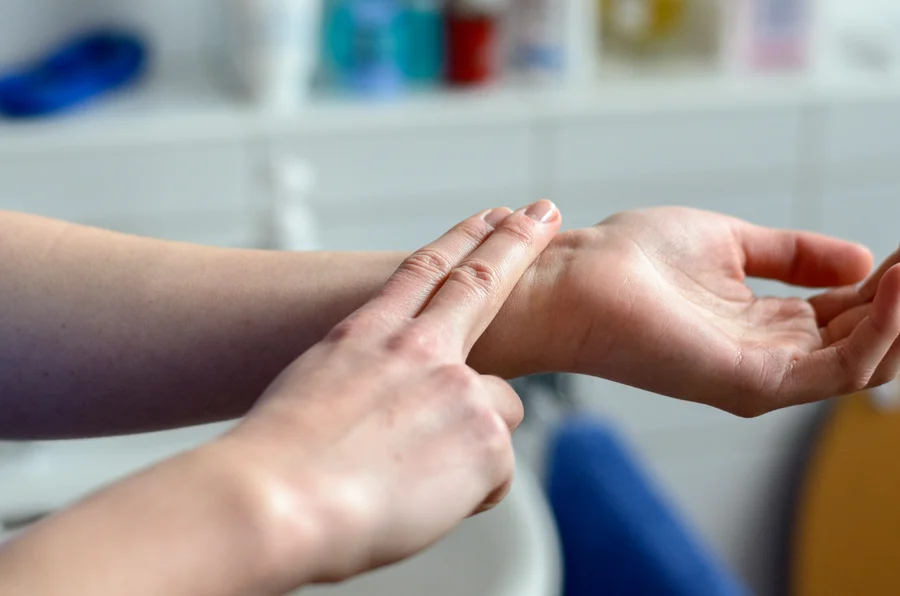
<point>531,334</point>
<point>277,521</point>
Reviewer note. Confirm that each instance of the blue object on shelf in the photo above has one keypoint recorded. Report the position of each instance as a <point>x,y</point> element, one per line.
<point>81,70</point>
<point>619,536</point>
<point>362,46</point>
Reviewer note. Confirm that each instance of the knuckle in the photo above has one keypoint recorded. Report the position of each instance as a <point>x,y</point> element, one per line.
<point>475,230</point>
<point>415,343</point>
<point>478,276</point>
<point>518,229</point>
<point>459,377</point>
<point>354,327</point>
<point>427,264</point>
<point>493,434</point>
<point>884,375</point>
<point>852,368</point>
<point>879,379</point>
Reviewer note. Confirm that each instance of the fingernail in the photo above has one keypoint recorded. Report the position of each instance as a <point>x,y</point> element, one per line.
<point>542,211</point>
<point>495,217</point>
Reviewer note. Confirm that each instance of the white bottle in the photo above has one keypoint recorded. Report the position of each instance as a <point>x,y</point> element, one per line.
<point>555,40</point>
<point>582,40</point>
<point>274,49</point>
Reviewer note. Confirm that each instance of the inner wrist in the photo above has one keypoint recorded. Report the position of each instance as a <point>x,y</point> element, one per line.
<point>528,336</point>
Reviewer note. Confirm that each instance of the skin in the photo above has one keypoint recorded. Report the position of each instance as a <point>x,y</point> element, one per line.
<point>369,447</point>
<point>382,436</point>
<point>101,334</point>
<point>672,298</point>
<point>76,337</point>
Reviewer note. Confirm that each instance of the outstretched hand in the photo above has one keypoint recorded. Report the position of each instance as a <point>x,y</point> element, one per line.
<point>657,299</point>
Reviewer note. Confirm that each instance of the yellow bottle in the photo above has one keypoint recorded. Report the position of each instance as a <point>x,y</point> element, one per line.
<point>641,25</point>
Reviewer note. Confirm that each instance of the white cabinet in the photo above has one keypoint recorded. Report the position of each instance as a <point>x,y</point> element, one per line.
<point>384,167</point>
<point>400,190</point>
<point>677,145</point>
<point>402,226</point>
<point>768,200</point>
<point>200,193</point>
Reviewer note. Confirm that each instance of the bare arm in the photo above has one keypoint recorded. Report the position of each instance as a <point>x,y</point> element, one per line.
<point>104,333</point>
<point>412,442</point>
<point>196,524</point>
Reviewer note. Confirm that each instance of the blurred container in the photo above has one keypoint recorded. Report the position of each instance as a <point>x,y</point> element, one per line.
<point>582,42</point>
<point>274,48</point>
<point>423,54</point>
<point>363,46</point>
<point>767,35</point>
<point>642,25</point>
<point>473,41</point>
<point>554,40</point>
<point>538,38</point>
<point>644,31</point>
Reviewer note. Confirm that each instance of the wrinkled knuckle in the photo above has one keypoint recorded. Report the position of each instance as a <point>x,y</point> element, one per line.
<point>879,379</point>
<point>853,369</point>
<point>479,277</point>
<point>427,264</point>
<point>474,230</point>
<point>520,230</point>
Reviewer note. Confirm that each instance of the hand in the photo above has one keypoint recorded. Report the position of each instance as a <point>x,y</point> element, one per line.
<point>657,299</point>
<point>379,440</point>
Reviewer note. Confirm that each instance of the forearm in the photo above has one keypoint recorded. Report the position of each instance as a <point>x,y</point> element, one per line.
<point>104,333</point>
<point>195,525</point>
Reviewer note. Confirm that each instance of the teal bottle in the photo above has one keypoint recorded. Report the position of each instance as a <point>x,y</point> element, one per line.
<point>422,42</point>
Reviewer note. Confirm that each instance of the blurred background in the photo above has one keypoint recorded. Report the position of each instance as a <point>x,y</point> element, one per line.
<point>376,124</point>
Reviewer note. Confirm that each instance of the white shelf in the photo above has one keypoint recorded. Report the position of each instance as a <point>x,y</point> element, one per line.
<point>181,101</point>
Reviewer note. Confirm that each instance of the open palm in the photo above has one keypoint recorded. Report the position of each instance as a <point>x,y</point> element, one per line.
<point>663,305</point>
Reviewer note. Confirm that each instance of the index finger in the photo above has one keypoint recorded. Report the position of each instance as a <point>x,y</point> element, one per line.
<point>411,286</point>
<point>480,284</point>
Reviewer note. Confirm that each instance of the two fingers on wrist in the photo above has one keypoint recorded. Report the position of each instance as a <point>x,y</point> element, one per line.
<point>456,285</point>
